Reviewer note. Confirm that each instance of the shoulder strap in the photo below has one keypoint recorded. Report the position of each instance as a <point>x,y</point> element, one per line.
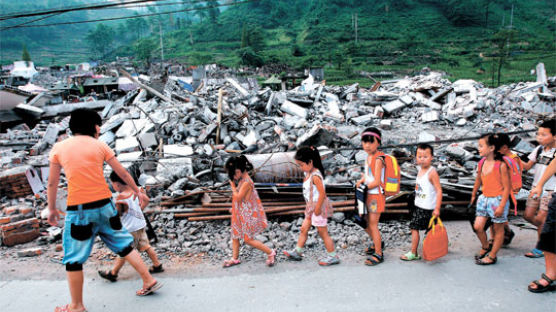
<point>481,162</point>
<point>538,153</point>
<point>510,163</point>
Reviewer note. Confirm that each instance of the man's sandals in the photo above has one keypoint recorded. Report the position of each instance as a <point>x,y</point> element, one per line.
<point>149,290</point>
<point>156,269</point>
<point>374,259</point>
<point>540,287</point>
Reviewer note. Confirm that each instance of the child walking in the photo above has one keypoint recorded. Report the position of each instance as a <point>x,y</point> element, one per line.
<point>494,178</point>
<point>373,177</point>
<point>536,208</point>
<point>132,218</point>
<point>547,239</point>
<point>428,198</point>
<point>505,150</point>
<point>318,207</point>
<point>248,217</point>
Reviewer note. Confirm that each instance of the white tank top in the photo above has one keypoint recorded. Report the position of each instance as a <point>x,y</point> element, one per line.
<point>306,187</point>
<point>133,219</point>
<point>369,177</point>
<point>425,193</point>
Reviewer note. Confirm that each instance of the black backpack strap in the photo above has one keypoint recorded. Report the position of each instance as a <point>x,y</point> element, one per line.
<point>538,153</point>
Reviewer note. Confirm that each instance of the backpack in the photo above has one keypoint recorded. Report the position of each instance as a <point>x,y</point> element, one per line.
<point>515,177</point>
<point>392,174</point>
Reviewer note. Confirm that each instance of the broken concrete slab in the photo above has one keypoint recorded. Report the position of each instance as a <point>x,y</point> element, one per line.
<point>393,106</point>
<point>177,150</point>
<point>127,144</point>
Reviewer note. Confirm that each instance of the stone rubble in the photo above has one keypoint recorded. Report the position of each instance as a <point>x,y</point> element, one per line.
<point>175,145</point>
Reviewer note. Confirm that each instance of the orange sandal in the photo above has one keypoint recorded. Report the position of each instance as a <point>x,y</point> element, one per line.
<point>147,291</point>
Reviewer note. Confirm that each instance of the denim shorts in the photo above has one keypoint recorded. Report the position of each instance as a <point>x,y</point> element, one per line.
<point>81,228</point>
<point>487,205</point>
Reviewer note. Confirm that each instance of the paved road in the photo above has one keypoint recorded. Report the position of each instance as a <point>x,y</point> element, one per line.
<point>455,284</point>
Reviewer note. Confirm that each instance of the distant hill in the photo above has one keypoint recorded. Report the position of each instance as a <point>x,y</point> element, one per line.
<point>466,38</point>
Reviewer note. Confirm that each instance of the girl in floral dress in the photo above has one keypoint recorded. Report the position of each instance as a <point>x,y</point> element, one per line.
<point>248,217</point>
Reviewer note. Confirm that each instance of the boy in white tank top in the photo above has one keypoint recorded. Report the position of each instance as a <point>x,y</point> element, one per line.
<point>132,218</point>
<point>428,198</point>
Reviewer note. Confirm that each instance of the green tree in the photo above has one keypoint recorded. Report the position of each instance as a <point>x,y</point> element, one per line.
<point>243,37</point>
<point>100,39</point>
<point>249,57</point>
<point>213,12</point>
<point>144,50</point>
<point>502,43</point>
<point>255,39</point>
<point>25,54</point>
<point>200,58</point>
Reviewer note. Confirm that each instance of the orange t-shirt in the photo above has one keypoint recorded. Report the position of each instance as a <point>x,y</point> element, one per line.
<point>82,157</point>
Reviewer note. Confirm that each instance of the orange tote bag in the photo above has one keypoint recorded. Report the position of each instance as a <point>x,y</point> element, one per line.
<point>435,244</point>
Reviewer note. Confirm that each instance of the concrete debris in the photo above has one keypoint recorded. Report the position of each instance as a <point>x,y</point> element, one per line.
<point>180,131</point>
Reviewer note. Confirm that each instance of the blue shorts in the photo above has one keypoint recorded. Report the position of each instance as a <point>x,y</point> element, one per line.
<point>487,205</point>
<point>81,228</point>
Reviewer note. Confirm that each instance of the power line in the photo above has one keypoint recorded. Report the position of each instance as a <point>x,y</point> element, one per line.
<point>69,9</point>
<point>156,4</point>
<point>31,21</point>
<point>134,16</point>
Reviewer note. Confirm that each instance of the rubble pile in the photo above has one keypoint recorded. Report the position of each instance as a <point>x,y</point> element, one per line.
<point>176,141</point>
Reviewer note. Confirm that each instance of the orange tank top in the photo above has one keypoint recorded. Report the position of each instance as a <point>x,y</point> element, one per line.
<point>492,182</point>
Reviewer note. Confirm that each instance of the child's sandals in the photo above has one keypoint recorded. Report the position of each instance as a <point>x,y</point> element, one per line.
<point>482,261</point>
<point>371,249</point>
<point>540,287</point>
<point>231,263</point>
<point>66,308</point>
<point>534,253</point>
<point>410,257</point>
<point>374,259</point>
<point>271,258</point>
<point>149,290</point>
<point>479,255</point>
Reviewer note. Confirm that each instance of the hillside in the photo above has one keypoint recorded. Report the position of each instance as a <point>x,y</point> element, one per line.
<point>460,37</point>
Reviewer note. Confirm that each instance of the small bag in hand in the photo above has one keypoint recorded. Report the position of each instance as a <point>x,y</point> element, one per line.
<point>360,211</point>
<point>435,244</point>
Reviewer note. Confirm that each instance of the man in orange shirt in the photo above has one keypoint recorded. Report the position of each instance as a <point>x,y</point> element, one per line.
<point>90,208</point>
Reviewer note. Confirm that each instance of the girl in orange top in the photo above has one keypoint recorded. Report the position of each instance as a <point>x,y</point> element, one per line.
<point>373,177</point>
<point>493,175</point>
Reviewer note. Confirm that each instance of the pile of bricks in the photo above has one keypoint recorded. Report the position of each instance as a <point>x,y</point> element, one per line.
<point>19,232</point>
<point>14,184</point>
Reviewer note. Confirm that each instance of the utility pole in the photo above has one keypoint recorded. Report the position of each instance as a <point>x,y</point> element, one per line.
<point>356,28</point>
<point>161,42</point>
<point>512,18</point>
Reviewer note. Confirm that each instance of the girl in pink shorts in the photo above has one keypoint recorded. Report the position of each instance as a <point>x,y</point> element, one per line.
<point>318,206</point>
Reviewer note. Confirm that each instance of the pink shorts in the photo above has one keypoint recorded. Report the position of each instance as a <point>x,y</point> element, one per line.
<point>318,221</point>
